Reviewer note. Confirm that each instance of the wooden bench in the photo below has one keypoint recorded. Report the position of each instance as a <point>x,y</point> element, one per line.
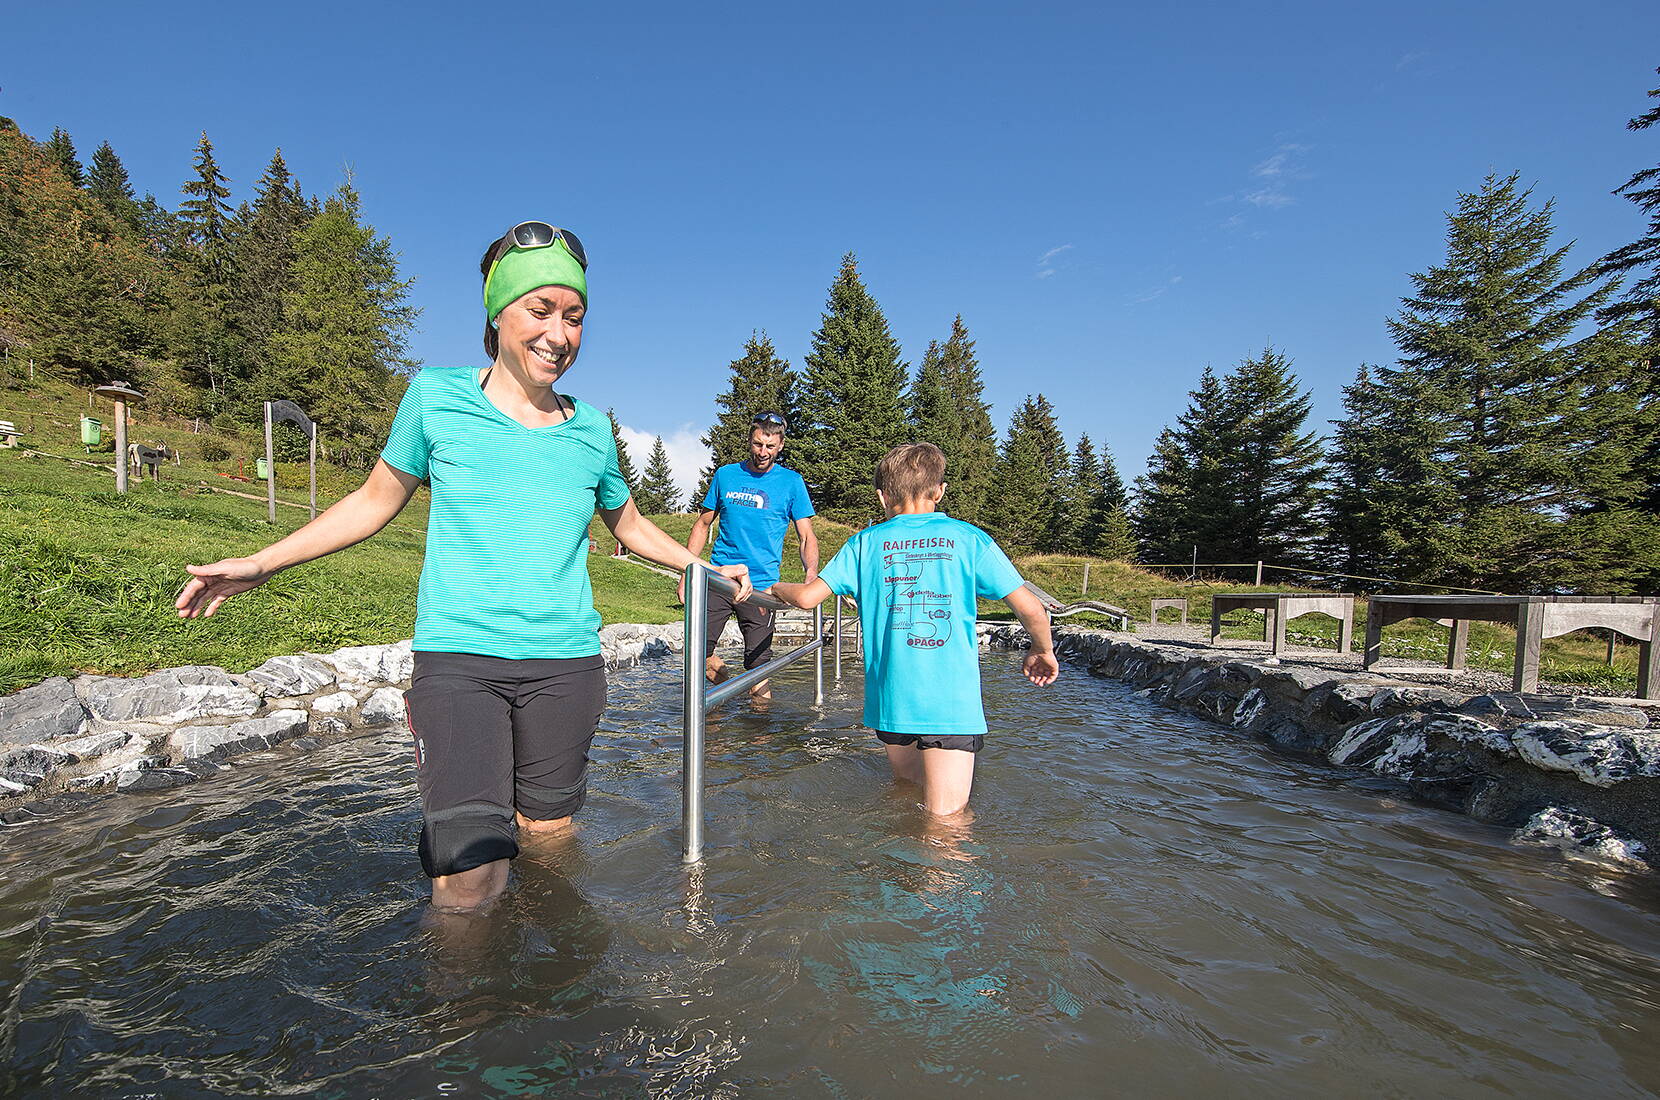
<point>1279,608</point>
<point>1157,603</point>
<point>8,434</point>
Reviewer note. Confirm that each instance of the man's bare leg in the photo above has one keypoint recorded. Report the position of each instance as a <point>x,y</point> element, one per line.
<point>714,670</point>
<point>906,762</point>
<point>539,829</point>
<point>947,779</point>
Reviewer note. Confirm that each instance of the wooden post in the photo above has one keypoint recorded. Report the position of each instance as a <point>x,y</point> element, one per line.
<point>270,471</point>
<point>1458,646</point>
<point>1278,624</point>
<point>1086,578</point>
<point>1259,574</point>
<point>313,469</point>
<point>1530,632</point>
<point>1346,634</point>
<point>1612,634</point>
<point>1374,635</point>
<point>1648,660</point>
<point>1215,621</point>
<point>120,446</point>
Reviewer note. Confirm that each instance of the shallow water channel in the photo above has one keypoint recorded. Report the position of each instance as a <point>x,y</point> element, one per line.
<point>1144,903</point>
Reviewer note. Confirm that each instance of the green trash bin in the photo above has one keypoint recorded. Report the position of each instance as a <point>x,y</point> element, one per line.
<point>92,431</point>
<point>261,471</point>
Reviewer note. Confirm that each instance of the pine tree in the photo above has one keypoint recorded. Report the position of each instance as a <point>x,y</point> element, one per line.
<point>971,461</point>
<point>1640,302</point>
<point>339,354</point>
<point>205,336</point>
<point>1272,468</point>
<point>62,151</point>
<point>263,249</point>
<point>1184,499</point>
<point>1518,435</point>
<point>625,463</point>
<point>107,182</point>
<point>658,493</point>
<point>1029,479</point>
<point>760,382</point>
<point>931,407</point>
<point>852,401</point>
<point>205,212</point>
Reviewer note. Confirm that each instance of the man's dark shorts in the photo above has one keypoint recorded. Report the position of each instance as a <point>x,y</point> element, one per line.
<point>754,621</point>
<point>494,735</point>
<point>960,741</point>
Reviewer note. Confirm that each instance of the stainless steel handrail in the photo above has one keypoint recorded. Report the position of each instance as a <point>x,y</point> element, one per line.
<point>696,700</point>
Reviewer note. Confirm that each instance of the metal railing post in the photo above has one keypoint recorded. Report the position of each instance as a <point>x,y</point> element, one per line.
<point>818,659</point>
<point>691,801</point>
<point>838,639</point>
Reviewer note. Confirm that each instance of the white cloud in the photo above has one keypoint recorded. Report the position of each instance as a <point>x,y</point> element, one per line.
<point>687,454</point>
<point>1157,292</point>
<point>1045,267</point>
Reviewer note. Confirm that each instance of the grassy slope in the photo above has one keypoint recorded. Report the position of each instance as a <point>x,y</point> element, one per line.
<point>87,578</point>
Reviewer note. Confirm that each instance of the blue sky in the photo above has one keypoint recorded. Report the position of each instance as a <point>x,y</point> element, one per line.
<point>1112,197</point>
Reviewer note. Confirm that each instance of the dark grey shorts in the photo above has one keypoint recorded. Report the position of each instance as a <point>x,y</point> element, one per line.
<point>494,735</point>
<point>960,741</point>
<point>755,621</point>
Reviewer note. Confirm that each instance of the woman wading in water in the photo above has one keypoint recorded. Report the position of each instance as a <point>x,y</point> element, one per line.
<point>509,683</point>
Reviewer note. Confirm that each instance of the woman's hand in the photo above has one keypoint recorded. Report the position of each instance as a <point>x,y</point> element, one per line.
<point>212,585</point>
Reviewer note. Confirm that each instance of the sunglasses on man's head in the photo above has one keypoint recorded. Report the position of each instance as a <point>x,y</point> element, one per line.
<point>541,235</point>
<point>771,420</point>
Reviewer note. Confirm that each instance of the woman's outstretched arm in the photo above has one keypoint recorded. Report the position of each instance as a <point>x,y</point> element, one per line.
<point>347,522</point>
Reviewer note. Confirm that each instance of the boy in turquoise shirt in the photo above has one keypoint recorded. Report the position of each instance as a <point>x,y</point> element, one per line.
<point>916,577</point>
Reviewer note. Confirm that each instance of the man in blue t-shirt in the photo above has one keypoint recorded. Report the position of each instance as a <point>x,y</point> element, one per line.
<point>754,502</point>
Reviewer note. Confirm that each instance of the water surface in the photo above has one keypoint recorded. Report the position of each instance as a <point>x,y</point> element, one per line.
<point>1143,903</point>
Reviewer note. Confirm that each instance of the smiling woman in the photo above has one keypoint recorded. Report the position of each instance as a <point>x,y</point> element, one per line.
<point>508,684</point>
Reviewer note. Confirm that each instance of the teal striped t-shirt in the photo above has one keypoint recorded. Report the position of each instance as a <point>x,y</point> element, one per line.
<point>506,571</point>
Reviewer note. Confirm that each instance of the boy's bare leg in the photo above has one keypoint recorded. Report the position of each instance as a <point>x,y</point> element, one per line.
<point>470,889</point>
<point>947,779</point>
<point>906,762</point>
<point>541,828</point>
<point>713,670</point>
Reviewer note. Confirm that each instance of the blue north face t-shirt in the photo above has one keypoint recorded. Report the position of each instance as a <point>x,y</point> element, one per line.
<point>916,579</point>
<point>754,511</point>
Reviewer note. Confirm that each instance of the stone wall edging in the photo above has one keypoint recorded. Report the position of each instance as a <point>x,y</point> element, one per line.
<point>111,733</point>
<point>1573,773</point>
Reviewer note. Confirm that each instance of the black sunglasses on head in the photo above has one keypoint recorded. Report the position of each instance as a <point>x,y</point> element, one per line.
<point>771,420</point>
<point>541,235</point>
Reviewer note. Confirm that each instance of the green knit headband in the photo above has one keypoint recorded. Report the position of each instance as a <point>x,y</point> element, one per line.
<point>524,269</point>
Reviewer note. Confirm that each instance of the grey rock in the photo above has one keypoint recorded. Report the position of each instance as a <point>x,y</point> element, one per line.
<point>1596,755</point>
<point>28,766</point>
<point>327,725</point>
<point>1582,837</point>
<point>338,702</point>
<point>48,710</point>
<point>96,744</point>
<point>1364,742</point>
<point>383,705</point>
<point>153,779</point>
<point>1398,698</point>
<point>1512,709</point>
<point>212,742</point>
<point>373,664</point>
<point>300,674</point>
<point>309,743</point>
<point>175,695</point>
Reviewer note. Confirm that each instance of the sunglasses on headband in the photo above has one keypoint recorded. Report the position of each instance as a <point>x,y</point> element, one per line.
<point>771,420</point>
<point>541,235</point>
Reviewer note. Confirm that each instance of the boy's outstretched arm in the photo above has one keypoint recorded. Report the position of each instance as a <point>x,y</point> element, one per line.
<point>1040,667</point>
<point>805,596</point>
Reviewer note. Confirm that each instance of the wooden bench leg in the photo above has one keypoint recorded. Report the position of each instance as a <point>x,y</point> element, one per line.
<point>1374,637</point>
<point>1279,630</point>
<point>1458,646</point>
<point>1648,661</point>
<point>1530,632</point>
<point>1346,632</point>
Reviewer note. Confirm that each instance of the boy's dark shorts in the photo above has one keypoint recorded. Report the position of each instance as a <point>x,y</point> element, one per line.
<point>755,621</point>
<point>494,735</point>
<point>959,741</point>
